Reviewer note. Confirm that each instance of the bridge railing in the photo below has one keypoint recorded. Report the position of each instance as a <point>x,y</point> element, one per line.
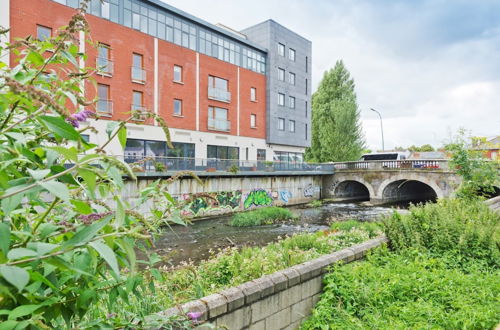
<point>437,164</point>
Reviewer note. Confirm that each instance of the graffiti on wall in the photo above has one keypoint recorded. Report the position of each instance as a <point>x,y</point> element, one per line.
<point>285,195</point>
<point>310,190</point>
<point>213,202</point>
<point>258,197</point>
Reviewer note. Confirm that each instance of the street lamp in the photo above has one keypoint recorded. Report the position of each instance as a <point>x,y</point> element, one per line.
<point>381,127</point>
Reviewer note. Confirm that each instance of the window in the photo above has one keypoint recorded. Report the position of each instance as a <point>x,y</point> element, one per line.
<point>281,74</point>
<point>291,78</point>
<point>177,107</point>
<point>291,126</point>
<point>281,99</point>
<point>253,94</point>
<point>43,32</point>
<point>307,64</point>
<point>178,73</point>
<point>217,119</point>
<point>253,120</point>
<point>218,89</point>
<point>138,149</point>
<point>281,124</point>
<point>223,152</point>
<point>307,83</point>
<point>291,101</point>
<point>306,132</point>
<point>261,154</point>
<point>136,21</point>
<point>138,72</point>
<point>291,54</point>
<point>104,63</point>
<point>281,49</point>
<point>104,104</point>
<point>307,110</point>
<point>137,105</point>
<point>105,10</point>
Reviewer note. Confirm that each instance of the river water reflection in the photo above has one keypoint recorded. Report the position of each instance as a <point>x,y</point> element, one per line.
<point>195,241</point>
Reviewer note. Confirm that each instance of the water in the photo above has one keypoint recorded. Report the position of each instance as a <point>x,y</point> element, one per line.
<point>195,241</point>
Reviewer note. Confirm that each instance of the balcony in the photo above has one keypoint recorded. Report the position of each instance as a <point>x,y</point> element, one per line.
<point>138,75</point>
<point>219,94</point>
<point>219,125</point>
<point>104,66</point>
<point>104,107</point>
<point>139,113</point>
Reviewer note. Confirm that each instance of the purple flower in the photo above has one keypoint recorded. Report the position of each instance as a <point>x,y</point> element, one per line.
<point>89,218</point>
<point>78,117</point>
<point>194,316</point>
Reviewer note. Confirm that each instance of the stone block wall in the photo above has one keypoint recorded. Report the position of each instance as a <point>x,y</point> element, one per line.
<point>281,300</point>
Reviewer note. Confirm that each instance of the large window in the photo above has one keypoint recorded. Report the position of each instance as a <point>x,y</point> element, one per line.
<point>178,73</point>
<point>218,89</point>
<point>138,72</point>
<point>219,83</point>
<point>281,49</point>
<point>288,157</point>
<point>104,104</point>
<point>281,74</point>
<point>43,32</point>
<point>137,107</point>
<point>136,150</point>
<point>104,63</point>
<point>217,119</point>
<point>261,154</point>
<point>281,99</point>
<point>223,152</point>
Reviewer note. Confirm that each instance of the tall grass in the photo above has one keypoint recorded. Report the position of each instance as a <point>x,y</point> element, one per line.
<point>262,216</point>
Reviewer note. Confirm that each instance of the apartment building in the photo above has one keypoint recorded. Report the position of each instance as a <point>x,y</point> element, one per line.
<point>224,94</point>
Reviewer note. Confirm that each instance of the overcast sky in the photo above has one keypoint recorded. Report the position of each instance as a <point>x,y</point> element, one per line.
<point>430,67</point>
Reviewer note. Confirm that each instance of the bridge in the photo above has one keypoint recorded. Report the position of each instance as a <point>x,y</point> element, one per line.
<point>391,181</point>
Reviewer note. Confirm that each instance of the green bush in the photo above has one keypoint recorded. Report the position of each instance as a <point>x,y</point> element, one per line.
<point>373,228</point>
<point>412,290</point>
<point>262,216</point>
<point>462,228</point>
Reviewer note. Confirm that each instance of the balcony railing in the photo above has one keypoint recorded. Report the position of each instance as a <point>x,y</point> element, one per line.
<point>104,107</point>
<point>104,66</point>
<point>138,74</point>
<point>139,112</point>
<point>219,125</point>
<point>219,94</point>
<point>438,164</point>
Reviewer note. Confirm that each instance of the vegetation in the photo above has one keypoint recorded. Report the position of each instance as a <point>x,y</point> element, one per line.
<point>229,267</point>
<point>315,203</point>
<point>336,127</point>
<point>63,249</point>
<point>262,216</point>
<point>442,272</point>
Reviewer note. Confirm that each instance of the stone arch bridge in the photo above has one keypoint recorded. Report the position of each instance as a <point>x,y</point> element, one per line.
<point>391,181</point>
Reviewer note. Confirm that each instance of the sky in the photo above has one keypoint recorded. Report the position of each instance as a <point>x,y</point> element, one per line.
<point>430,67</point>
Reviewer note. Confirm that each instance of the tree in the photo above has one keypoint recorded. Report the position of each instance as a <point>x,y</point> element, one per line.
<point>336,128</point>
<point>424,148</point>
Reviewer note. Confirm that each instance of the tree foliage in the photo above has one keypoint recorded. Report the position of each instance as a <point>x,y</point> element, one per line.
<point>336,128</point>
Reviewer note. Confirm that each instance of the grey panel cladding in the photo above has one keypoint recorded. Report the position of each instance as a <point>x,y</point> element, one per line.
<point>268,35</point>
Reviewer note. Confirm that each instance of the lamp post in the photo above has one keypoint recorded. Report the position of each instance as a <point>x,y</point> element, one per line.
<point>381,127</point>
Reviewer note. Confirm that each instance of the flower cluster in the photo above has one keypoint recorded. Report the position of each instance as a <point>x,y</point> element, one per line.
<point>78,117</point>
<point>89,218</point>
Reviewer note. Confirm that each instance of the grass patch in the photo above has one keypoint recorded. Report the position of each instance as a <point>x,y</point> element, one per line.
<point>315,203</point>
<point>372,228</point>
<point>262,216</point>
<point>412,290</point>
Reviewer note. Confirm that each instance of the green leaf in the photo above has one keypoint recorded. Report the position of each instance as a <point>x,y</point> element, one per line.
<point>57,189</point>
<point>42,248</point>
<point>81,207</point>
<point>16,276</point>
<point>69,153</point>
<point>122,136</point>
<point>89,177</point>
<point>46,229</point>
<point>23,310</point>
<point>38,174</point>
<point>60,127</point>
<point>21,253</point>
<point>128,246</point>
<point>35,58</point>
<point>119,213</point>
<point>109,255</point>
<point>87,233</point>
<point>4,237</point>
<point>112,125</point>
<point>11,203</point>
<point>8,325</point>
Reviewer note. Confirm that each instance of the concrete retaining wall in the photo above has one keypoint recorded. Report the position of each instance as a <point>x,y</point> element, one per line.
<point>281,300</point>
<point>231,194</point>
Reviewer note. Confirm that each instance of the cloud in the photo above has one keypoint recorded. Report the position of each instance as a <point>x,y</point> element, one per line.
<point>429,66</point>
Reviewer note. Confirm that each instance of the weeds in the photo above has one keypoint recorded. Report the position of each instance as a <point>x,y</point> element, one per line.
<point>262,216</point>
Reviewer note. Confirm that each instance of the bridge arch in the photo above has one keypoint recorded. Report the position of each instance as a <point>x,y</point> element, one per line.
<point>407,190</point>
<point>353,189</point>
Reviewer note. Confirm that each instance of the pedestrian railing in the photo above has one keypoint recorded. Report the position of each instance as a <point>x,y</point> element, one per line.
<point>393,164</point>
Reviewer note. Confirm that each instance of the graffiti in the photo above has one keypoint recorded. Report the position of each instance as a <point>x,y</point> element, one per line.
<point>310,190</point>
<point>285,195</point>
<point>258,197</point>
<point>333,185</point>
<point>213,202</point>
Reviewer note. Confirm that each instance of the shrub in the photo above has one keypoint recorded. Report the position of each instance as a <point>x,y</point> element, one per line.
<point>262,216</point>
<point>315,203</point>
<point>411,290</point>
<point>372,228</point>
<point>463,228</point>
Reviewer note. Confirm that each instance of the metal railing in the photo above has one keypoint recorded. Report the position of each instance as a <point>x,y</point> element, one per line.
<point>104,66</point>
<point>163,164</point>
<point>219,94</point>
<point>438,164</point>
<point>219,125</point>
<point>138,74</point>
<point>104,107</point>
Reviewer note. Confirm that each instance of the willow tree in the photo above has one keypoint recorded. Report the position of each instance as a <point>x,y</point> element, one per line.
<point>336,127</point>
